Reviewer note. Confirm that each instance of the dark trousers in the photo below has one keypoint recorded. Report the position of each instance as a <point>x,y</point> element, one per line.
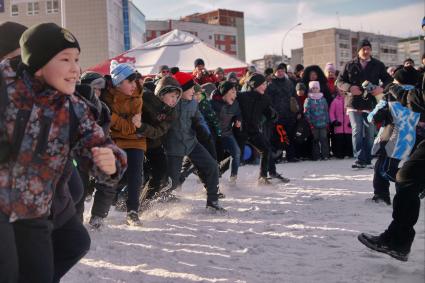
<point>385,171</point>
<point>156,163</point>
<point>230,145</point>
<point>133,177</point>
<point>26,251</point>
<point>291,129</point>
<point>204,163</point>
<point>71,242</point>
<point>320,143</point>
<point>406,203</point>
<point>262,145</point>
<point>342,145</point>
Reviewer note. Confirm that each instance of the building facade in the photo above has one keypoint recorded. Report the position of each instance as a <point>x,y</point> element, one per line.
<point>270,61</point>
<point>100,26</point>
<point>223,29</point>
<point>297,57</point>
<point>340,46</point>
<point>413,47</point>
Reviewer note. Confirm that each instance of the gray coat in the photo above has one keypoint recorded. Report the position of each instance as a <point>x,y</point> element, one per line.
<point>181,137</point>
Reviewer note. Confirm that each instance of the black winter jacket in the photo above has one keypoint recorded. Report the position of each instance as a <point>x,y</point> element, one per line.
<point>280,92</point>
<point>354,75</point>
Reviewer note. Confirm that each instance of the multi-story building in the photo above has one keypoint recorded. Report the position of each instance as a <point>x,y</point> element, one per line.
<point>340,45</point>
<point>413,47</point>
<point>104,28</point>
<point>223,29</point>
<point>297,57</point>
<point>269,61</point>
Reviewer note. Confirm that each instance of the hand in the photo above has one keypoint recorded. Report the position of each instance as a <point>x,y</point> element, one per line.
<point>377,91</point>
<point>238,124</point>
<point>355,90</point>
<point>104,158</point>
<point>137,120</point>
<point>336,123</point>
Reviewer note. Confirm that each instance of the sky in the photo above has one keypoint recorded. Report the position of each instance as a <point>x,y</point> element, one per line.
<point>267,21</point>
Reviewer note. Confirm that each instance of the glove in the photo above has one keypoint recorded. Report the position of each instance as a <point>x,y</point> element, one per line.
<point>336,123</point>
<point>349,124</point>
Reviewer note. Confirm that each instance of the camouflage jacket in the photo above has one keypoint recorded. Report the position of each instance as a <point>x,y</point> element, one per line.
<point>40,116</point>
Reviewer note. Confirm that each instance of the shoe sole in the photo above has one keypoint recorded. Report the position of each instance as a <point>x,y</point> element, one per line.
<point>365,242</point>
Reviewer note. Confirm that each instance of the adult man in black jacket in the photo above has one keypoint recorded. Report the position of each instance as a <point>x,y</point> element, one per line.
<point>362,68</point>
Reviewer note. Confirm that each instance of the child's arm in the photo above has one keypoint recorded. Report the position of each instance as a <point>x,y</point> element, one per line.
<point>380,113</point>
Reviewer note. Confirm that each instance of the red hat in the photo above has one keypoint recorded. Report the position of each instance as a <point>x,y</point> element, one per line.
<point>185,80</point>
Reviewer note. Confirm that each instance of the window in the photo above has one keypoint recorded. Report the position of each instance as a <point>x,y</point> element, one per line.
<point>344,45</point>
<point>52,6</point>
<point>33,8</point>
<point>14,11</point>
<point>233,47</point>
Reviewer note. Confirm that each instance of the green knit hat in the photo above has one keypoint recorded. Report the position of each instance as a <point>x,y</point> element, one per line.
<point>40,43</point>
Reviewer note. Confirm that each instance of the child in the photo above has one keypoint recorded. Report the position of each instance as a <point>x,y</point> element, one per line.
<point>227,109</point>
<point>40,104</point>
<point>181,141</point>
<point>125,101</point>
<point>343,145</point>
<point>316,114</point>
<point>397,135</point>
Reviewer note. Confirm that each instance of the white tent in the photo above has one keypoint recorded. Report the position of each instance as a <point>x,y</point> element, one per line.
<point>176,48</point>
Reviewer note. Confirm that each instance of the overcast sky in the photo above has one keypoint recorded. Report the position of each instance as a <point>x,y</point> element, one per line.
<point>267,21</point>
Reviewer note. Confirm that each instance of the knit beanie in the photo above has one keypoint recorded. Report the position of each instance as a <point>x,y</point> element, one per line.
<point>174,70</point>
<point>313,84</point>
<point>219,70</point>
<point>40,43</point>
<point>9,39</point>
<point>185,80</point>
<point>197,88</point>
<point>209,88</point>
<point>164,68</point>
<point>93,79</point>
<point>281,66</point>
<point>120,71</point>
<point>232,75</point>
<point>300,86</point>
<point>364,43</point>
<point>407,75</point>
<point>330,67</point>
<point>198,62</point>
<point>299,68</point>
<point>224,87</point>
<point>256,80</point>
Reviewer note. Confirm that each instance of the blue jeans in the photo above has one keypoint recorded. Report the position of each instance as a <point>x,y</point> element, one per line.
<point>363,135</point>
<point>230,144</point>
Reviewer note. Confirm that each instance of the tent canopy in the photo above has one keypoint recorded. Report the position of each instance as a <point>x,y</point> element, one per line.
<point>176,48</point>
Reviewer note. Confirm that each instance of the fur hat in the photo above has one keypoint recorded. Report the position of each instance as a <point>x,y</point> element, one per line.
<point>93,79</point>
<point>9,39</point>
<point>256,80</point>
<point>120,71</point>
<point>224,87</point>
<point>167,84</point>
<point>313,84</point>
<point>185,80</point>
<point>40,43</point>
<point>198,62</point>
<point>407,76</point>
<point>363,43</point>
<point>330,67</point>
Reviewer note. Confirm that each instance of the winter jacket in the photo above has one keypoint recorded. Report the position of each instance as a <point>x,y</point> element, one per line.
<point>205,78</point>
<point>316,112</point>
<point>227,114</point>
<point>337,112</point>
<point>123,108</point>
<point>332,88</point>
<point>210,115</point>
<point>157,118</point>
<point>354,75</point>
<point>280,92</point>
<point>41,116</point>
<point>255,107</point>
<point>181,137</point>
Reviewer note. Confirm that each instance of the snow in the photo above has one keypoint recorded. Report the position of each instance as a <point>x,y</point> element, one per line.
<point>303,231</point>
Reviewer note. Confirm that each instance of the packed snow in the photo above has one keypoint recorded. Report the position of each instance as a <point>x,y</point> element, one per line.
<point>303,231</point>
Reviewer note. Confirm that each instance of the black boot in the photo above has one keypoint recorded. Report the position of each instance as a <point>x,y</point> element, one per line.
<point>379,244</point>
<point>215,206</point>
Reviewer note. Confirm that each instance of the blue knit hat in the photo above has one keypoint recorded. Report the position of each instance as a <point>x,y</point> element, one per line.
<point>120,71</point>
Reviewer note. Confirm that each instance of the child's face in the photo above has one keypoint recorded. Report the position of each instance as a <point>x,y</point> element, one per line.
<point>62,71</point>
<point>262,88</point>
<point>170,98</point>
<point>127,87</point>
<point>198,96</point>
<point>230,96</point>
<point>314,89</point>
<point>300,92</point>
<point>188,94</point>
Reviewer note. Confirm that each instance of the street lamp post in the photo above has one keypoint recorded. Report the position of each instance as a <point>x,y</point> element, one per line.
<point>284,37</point>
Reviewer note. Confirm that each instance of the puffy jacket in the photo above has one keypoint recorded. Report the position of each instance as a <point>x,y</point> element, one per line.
<point>226,114</point>
<point>337,112</point>
<point>280,92</point>
<point>123,107</point>
<point>354,75</point>
<point>29,180</point>
<point>316,112</point>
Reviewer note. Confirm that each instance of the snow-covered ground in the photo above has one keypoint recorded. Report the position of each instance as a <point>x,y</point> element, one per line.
<point>304,231</point>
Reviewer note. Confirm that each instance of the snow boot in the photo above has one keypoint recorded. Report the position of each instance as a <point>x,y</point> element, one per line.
<point>377,243</point>
<point>133,218</point>
<point>215,206</point>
